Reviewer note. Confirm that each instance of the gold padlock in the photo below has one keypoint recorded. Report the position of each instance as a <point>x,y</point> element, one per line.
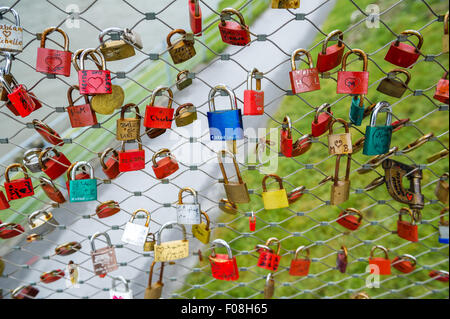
<point>171,250</point>
<point>228,207</point>
<point>150,241</point>
<point>183,49</point>
<point>183,81</point>
<point>285,4</point>
<point>392,85</point>
<point>269,287</point>
<point>442,189</point>
<point>114,50</point>
<point>202,231</point>
<point>154,291</point>
<point>445,36</point>
<point>106,103</point>
<point>340,190</point>
<point>128,128</point>
<point>274,199</point>
<point>236,192</point>
<point>185,114</point>
<point>339,143</point>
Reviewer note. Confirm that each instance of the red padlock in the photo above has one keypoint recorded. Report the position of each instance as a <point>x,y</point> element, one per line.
<point>10,230</point>
<point>322,120</point>
<point>383,264</point>
<point>47,133</point>
<point>223,266</point>
<point>253,100</point>
<point>55,166</point>
<point>54,61</point>
<point>19,188</point>
<point>93,82</point>
<point>20,101</point>
<point>267,258</point>
<point>52,276</point>
<point>111,167</point>
<point>353,82</point>
<point>404,263</point>
<point>439,275</point>
<point>166,166</point>
<point>331,57</point>
<point>107,209</point>
<point>348,220</point>
<point>232,32</point>
<point>4,204</point>
<point>51,190</point>
<point>302,145</point>
<point>252,222</point>
<point>286,144</point>
<point>300,266</point>
<point>403,54</point>
<point>407,230</point>
<point>441,93</point>
<point>304,80</point>
<point>24,292</point>
<point>132,160</point>
<point>80,115</point>
<point>195,17</point>
<point>68,248</point>
<point>157,116</point>
<point>295,194</point>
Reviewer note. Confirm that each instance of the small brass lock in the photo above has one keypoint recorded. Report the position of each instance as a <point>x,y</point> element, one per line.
<point>269,287</point>
<point>442,189</point>
<point>340,190</point>
<point>185,114</point>
<point>183,49</point>
<point>149,244</point>
<point>123,48</point>
<point>183,81</point>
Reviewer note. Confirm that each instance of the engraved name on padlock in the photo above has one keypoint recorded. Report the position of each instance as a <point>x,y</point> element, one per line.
<point>172,250</point>
<point>11,35</point>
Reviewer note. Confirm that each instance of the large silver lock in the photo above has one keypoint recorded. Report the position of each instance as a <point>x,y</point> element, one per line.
<point>31,160</point>
<point>188,214</point>
<point>11,35</point>
<point>136,234</point>
<point>42,223</point>
<point>115,293</point>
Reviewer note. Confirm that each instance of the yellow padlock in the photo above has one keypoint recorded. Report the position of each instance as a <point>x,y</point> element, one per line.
<point>202,231</point>
<point>274,199</point>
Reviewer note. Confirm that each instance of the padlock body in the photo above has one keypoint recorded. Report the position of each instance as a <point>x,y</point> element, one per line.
<point>56,166</point>
<point>92,82</point>
<point>135,234</point>
<point>132,160</point>
<point>186,116</point>
<point>53,61</point>
<point>182,51</point>
<point>378,140</point>
<point>340,192</point>
<point>16,230</point>
<point>233,33</point>
<point>172,250</point>
<point>11,38</point>
<point>183,83</point>
<point>443,234</point>
<point>352,82</point>
<point>268,260</point>
<point>104,260</point>
<point>405,266</point>
<point>384,265</point>
<point>201,233</point>
<point>285,4</point>
<point>286,143</point>
<point>83,190</point>
<point>237,193</point>
<point>350,222</point>
<point>188,214</point>
<point>4,204</point>
<point>356,114</point>
<point>275,199</point>
<point>158,117</point>
<point>225,125</point>
<point>165,167</point>
<point>81,115</point>
<point>128,129</point>
<point>43,226</point>
<point>305,80</point>
<point>195,20</point>
<point>115,50</point>
<point>252,224</point>
<point>407,231</point>
<point>112,167</point>
<point>115,294</point>
<point>403,55</point>
<point>149,246</point>
<point>442,92</point>
<point>3,93</point>
<point>445,43</point>
<point>392,87</point>
<point>253,102</point>
<point>322,125</point>
<point>269,289</point>
<point>331,59</point>
<point>105,211</point>
<point>19,188</point>
<point>154,292</point>
<point>28,292</point>
<point>77,177</point>
<point>340,144</point>
<point>299,267</point>
<point>341,262</point>
<point>21,101</point>
<point>224,268</point>
<point>300,147</point>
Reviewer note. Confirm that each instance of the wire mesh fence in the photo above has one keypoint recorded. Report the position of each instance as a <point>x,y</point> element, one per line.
<point>311,221</point>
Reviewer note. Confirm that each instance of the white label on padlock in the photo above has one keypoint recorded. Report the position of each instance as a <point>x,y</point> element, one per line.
<point>188,214</point>
<point>443,232</point>
<point>135,234</point>
<point>113,294</point>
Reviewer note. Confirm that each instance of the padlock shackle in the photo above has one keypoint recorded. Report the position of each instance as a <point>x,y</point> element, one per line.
<point>442,216</point>
<point>222,154</point>
<point>107,204</point>
<point>231,11</point>
<point>150,277</point>
<point>4,10</point>
<point>299,53</point>
<point>43,155</point>
<point>164,152</point>
<point>168,224</point>
<point>134,215</point>
<point>208,221</point>
<point>91,51</point>
<point>181,107</point>
<point>406,257</point>
<point>124,108</point>
<point>212,94</point>
<point>8,62</point>
<point>344,249</point>
<point>172,33</point>
<point>330,36</point>
<point>354,211</point>
<point>414,33</point>
<point>274,240</point>
<point>287,121</point>
<point>321,109</point>
<point>108,31</point>
<point>276,177</point>
<point>14,165</point>
<point>401,71</point>
<point>269,278</point>
<point>181,73</point>
<point>106,153</point>
<point>337,168</point>
<point>161,89</point>
<point>36,214</point>
<point>223,243</point>
<point>338,120</point>
<point>4,83</point>
<point>407,211</point>
<point>50,30</point>
<point>122,280</point>
<point>73,245</point>
<point>70,98</point>
<point>82,164</point>
<point>187,190</point>
<point>76,57</point>
<point>380,106</point>
<point>250,76</point>
<point>98,234</point>
<point>386,254</point>
<point>138,141</point>
<point>361,54</point>
<point>300,249</point>
<point>446,23</point>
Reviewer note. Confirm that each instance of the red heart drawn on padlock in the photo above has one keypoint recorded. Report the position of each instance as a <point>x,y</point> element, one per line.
<point>53,62</point>
<point>352,83</point>
<point>6,33</point>
<point>95,82</point>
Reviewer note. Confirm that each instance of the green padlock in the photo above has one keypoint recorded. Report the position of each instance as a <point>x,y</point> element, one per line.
<point>82,190</point>
<point>378,138</point>
<point>357,110</point>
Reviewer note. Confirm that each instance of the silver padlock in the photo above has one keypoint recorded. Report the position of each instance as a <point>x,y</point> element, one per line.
<point>115,293</point>
<point>188,214</point>
<point>135,234</point>
<point>11,35</point>
<point>31,160</point>
<point>42,223</point>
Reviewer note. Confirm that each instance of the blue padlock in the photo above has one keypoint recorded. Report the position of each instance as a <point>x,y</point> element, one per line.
<point>82,190</point>
<point>224,125</point>
<point>378,138</point>
<point>356,114</point>
<point>443,227</point>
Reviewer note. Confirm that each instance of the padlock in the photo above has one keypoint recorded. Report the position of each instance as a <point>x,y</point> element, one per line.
<point>331,57</point>
<point>267,258</point>
<point>232,32</point>
<point>383,264</point>
<point>135,234</point>
<point>154,290</point>
<point>107,209</point>
<point>54,166</point>
<point>106,104</point>
<point>445,36</point>
<point>42,222</point>
<point>302,145</point>
<point>76,59</point>
<point>47,133</point>
<point>285,4</point>
<point>52,276</point>
<point>80,115</point>
<point>340,189</point>
<point>404,263</point>
<point>150,242</point>
<point>132,160</point>
<point>24,292</point>
<point>394,86</point>
<point>339,144</point>
<point>188,214</point>
<point>269,287</point>
<point>441,94</point>
<point>171,250</point>
<point>252,222</point>
<point>402,54</point>
<point>348,219</point>
<point>378,138</point>
<point>223,266</point>
<point>202,231</point>
<point>31,160</point>
<point>356,114</point>
<point>8,77</point>
<point>440,275</point>
<point>20,101</point>
<point>322,120</point>
<point>195,17</point>
<point>51,190</point>
<point>11,38</point>
<point>274,199</point>
<point>73,272</point>
<point>183,80</point>
<point>2,268</point>
<point>19,188</point>
<point>228,206</point>
<point>236,192</point>
<point>158,116</point>
<point>254,99</point>
<point>300,266</point>
<point>10,230</point>
<point>122,48</point>
<point>52,61</point>
<point>342,259</point>
<point>286,143</point>
<point>296,194</point>
<point>353,82</point>
<point>443,227</point>
<point>128,129</point>
<point>304,80</point>
<point>165,166</point>
<point>115,293</point>
<point>111,166</point>
<point>104,259</point>
<point>407,230</point>
<point>92,82</point>
<point>183,49</point>
<point>84,174</point>
<point>185,114</point>
<point>68,248</point>
<point>82,190</point>
<point>4,204</point>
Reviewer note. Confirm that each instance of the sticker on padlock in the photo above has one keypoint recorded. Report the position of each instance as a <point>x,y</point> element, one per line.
<point>195,17</point>
<point>92,82</point>
<point>52,61</point>
<point>18,188</point>
<point>232,32</point>
<point>350,218</point>
<point>104,259</point>
<point>378,137</point>
<point>405,229</point>
<point>158,116</point>
<point>285,4</point>
<point>274,199</point>
<point>339,144</point>
<point>342,259</point>
<point>80,115</point>
<point>303,80</point>
<point>136,234</point>
<point>166,166</point>
<point>183,49</point>
<point>82,190</point>
<point>353,82</point>
<point>443,227</point>
<point>404,263</point>
<point>111,166</point>
<point>11,37</point>
<point>300,266</point>
<point>202,231</point>
<point>340,189</point>
<point>330,57</point>
<point>154,290</point>
<point>403,54</point>
<point>42,222</point>
<point>171,250</point>
<point>132,160</point>
<point>236,192</point>
<point>394,86</point>
<point>107,209</point>
<point>253,99</point>
<point>54,166</point>
<point>115,293</point>
<point>188,214</point>
<point>268,259</point>
<point>322,120</point>
<point>223,266</point>
<point>383,264</point>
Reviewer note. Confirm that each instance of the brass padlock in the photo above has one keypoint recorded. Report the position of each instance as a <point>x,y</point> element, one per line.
<point>150,241</point>
<point>123,48</point>
<point>228,207</point>
<point>185,114</point>
<point>269,287</point>
<point>339,143</point>
<point>340,190</point>
<point>128,128</point>
<point>392,85</point>
<point>285,4</point>
<point>155,132</point>
<point>445,36</point>
<point>154,291</point>
<point>236,192</point>
<point>442,189</point>
<point>106,103</point>
<point>202,231</point>
<point>183,80</point>
<point>183,49</point>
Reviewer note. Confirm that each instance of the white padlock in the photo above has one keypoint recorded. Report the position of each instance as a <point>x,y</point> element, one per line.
<point>188,214</point>
<point>115,293</point>
<point>135,234</point>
